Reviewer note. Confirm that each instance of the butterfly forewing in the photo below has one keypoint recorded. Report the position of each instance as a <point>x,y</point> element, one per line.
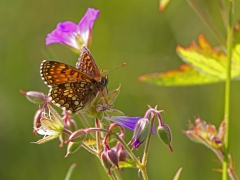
<point>73,88</point>
<point>87,64</point>
<point>54,73</point>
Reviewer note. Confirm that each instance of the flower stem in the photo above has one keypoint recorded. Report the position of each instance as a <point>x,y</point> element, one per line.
<point>207,21</point>
<point>130,153</point>
<point>227,90</point>
<point>146,150</point>
<point>98,137</point>
<point>85,146</point>
<point>117,174</point>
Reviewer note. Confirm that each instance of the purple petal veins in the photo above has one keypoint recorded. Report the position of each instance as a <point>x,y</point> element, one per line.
<point>68,32</point>
<point>125,121</point>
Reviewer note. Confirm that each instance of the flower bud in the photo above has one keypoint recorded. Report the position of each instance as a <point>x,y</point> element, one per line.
<point>77,136</point>
<point>121,152</point>
<point>71,125</point>
<point>141,131</point>
<point>105,161</point>
<point>72,148</point>
<point>35,97</point>
<point>37,120</point>
<point>112,157</point>
<point>164,133</point>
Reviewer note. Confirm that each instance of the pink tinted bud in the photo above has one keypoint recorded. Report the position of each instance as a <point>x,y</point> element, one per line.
<point>71,125</point>
<point>105,161</point>
<point>121,152</point>
<point>78,136</point>
<point>35,97</point>
<point>113,157</point>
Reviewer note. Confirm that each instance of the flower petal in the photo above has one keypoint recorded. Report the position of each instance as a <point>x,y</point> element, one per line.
<point>65,33</point>
<point>125,121</point>
<point>74,35</point>
<point>86,24</point>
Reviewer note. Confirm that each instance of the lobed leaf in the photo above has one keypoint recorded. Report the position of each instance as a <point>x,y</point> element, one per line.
<point>205,65</point>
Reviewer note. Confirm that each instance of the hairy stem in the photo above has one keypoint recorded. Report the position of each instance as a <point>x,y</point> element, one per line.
<point>227,90</point>
<point>130,153</point>
<point>98,137</point>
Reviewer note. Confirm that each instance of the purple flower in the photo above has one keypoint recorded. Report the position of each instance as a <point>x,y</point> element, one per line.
<point>125,121</point>
<point>74,35</point>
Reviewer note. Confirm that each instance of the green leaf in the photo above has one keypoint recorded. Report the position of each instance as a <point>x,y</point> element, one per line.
<point>163,4</point>
<point>186,75</point>
<point>205,65</point>
<point>128,163</point>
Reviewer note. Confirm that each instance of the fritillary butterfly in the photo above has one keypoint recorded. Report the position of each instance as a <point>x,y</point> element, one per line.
<point>73,88</point>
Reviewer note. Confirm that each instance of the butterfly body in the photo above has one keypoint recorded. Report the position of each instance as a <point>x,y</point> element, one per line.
<point>73,88</point>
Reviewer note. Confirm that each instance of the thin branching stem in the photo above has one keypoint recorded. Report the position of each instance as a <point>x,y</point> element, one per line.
<point>130,153</point>
<point>147,146</point>
<point>117,174</point>
<point>146,151</point>
<point>85,146</point>
<point>207,21</point>
<point>227,90</point>
<point>98,137</point>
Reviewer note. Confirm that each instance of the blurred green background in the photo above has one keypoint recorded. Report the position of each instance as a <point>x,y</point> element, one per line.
<point>134,32</point>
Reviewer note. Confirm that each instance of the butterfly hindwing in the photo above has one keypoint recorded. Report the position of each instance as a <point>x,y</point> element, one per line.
<point>73,96</point>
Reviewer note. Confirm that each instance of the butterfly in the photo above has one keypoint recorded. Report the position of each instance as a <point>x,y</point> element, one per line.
<point>73,88</point>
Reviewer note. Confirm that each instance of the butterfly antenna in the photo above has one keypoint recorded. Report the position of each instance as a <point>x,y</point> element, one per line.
<point>123,64</point>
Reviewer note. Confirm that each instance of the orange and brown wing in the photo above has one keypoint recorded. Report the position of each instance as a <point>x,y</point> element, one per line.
<point>87,64</point>
<point>54,73</point>
<point>72,96</point>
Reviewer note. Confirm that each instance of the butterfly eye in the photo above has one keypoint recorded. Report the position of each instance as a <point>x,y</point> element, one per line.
<point>104,81</point>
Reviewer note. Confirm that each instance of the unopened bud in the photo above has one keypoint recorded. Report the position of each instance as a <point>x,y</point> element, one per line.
<point>121,152</point>
<point>35,97</point>
<point>141,131</point>
<point>72,148</point>
<point>105,161</point>
<point>164,133</point>
<point>113,157</point>
<point>77,136</point>
<point>71,125</point>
